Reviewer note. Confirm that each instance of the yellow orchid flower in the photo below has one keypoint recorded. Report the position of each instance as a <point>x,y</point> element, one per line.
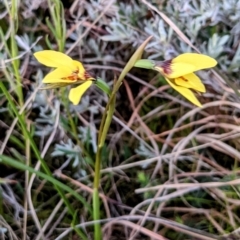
<point>67,72</point>
<point>179,73</point>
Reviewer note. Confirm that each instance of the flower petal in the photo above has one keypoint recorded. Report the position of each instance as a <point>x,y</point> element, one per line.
<point>200,61</point>
<point>174,70</point>
<point>56,76</point>
<point>80,68</point>
<point>184,64</point>
<point>52,58</point>
<point>190,80</point>
<point>187,93</point>
<point>76,93</point>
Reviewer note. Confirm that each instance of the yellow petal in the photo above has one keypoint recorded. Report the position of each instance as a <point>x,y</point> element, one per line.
<point>190,80</point>
<point>187,93</point>
<point>56,76</point>
<point>200,61</point>
<point>184,64</point>
<point>76,93</point>
<point>80,68</point>
<point>174,70</point>
<point>55,59</point>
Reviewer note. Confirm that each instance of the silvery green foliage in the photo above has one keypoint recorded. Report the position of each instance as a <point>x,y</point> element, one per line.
<point>216,45</point>
<point>120,28</point>
<point>119,32</point>
<point>31,5</point>
<point>45,121</point>
<point>89,135</point>
<point>84,106</point>
<point>162,36</point>
<point>235,63</point>
<point>71,151</point>
<point>93,9</point>
<point>144,152</point>
<point>23,41</point>
<point>94,46</point>
<point>9,197</point>
<point>103,5</point>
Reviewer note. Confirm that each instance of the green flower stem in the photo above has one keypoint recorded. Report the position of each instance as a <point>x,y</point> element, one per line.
<point>27,135</point>
<point>96,205</point>
<point>103,130</point>
<point>96,215</point>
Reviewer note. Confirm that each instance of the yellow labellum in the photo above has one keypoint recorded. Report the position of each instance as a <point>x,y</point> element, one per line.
<point>192,81</point>
<point>76,93</point>
<point>187,93</point>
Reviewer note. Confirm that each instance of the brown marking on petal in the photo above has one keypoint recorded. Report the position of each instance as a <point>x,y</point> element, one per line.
<point>166,66</point>
<point>184,79</point>
<point>74,76</point>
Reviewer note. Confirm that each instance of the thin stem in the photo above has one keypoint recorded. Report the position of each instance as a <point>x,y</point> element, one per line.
<point>14,50</point>
<point>104,127</point>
